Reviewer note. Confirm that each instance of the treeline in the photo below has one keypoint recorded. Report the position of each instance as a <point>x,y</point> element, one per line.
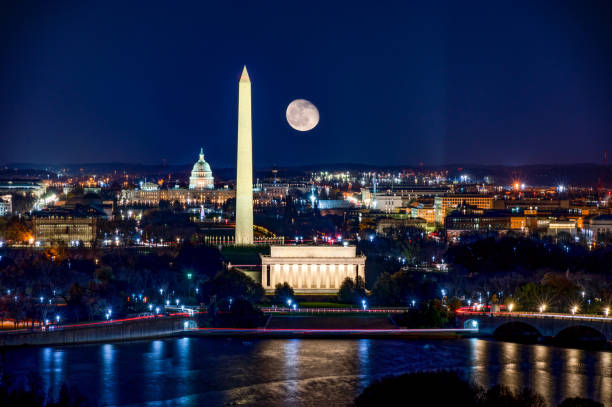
<point>448,388</point>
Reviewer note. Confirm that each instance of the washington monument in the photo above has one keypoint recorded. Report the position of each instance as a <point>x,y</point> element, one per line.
<point>244,164</point>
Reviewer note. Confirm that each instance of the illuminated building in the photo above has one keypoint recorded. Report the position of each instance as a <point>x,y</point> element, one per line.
<point>23,186</point>
<point>188,197</point>
<point>598,227</point>
<point>444,204</point>
<point>6,207</point>
<point>70,225</point>
<point>311,269</point>
<point>424,212</point>
<point>201,190</point>
<point>201,175</point>
<point>244,164</point>
<point>472,219</point>
<point>385,226</point>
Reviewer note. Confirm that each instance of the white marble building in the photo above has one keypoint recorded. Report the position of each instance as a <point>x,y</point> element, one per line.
<point>311,269</point>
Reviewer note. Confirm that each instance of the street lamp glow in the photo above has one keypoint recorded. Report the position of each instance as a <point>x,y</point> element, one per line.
<point>574,309</point>
<point>606,311</point>
<point>542,307</point>
<point>156,310</point>
<point>510,306</point>
<point>289,302</point>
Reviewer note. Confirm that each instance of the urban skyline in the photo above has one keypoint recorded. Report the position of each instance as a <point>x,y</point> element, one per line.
<point>255,204</point>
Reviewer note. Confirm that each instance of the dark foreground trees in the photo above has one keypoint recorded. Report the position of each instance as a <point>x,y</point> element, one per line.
<point>447,388</point>
<point>352,291</point>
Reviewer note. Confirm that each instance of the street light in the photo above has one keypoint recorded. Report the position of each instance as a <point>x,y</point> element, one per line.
<point>156,310</point>
<point>289,302</point>
<point>510,306</point>
<point>574,309</point>
<point>542,308</point>
<point>363,304</point>
<point>606,311</point>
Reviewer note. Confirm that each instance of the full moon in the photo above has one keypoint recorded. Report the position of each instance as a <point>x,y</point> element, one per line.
<point>302,115</point>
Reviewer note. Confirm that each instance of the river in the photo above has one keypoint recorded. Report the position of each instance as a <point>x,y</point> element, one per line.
<point>216,371</point>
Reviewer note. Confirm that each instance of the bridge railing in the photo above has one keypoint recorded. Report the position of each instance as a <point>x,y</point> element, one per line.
<point>540,315</point>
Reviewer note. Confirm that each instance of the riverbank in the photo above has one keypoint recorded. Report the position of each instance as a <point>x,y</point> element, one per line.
<point>277,326</point>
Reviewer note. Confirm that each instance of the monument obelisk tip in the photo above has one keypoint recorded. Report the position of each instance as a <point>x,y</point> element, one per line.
<point>245,75</point>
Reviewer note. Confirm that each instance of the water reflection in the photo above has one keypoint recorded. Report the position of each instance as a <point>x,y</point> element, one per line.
<point>479,358</point>
<point>183,366</point>
<point>197,371</point>
<point>573,376</point>
<point>291,351</point>
<point>52,369</point>
<point>541,380</point>
<point>510,373</point>
<point>153,370</point>
<point>108,378</point>
<point>363,355</point>
<point>603,371</point>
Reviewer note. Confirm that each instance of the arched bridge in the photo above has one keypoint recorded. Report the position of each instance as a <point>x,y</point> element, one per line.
<point>547,325</point>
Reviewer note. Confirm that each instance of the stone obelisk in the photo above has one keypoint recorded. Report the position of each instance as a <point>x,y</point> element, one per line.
<point>244,164</point>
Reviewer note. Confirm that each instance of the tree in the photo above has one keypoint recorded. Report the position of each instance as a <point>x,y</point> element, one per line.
<point>283,292</point>
<point>386,290</point>
<point>422,389</point>
<point>233,284</point>
<point>352,291</point>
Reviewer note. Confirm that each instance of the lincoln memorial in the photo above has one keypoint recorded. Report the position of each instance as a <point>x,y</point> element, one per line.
<point>311,269</point>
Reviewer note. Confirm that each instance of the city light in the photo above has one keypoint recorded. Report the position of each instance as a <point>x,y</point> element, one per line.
<point>606,311</point>
<point>574,309</point>
<point>542,308</point>
<point>510,306</point>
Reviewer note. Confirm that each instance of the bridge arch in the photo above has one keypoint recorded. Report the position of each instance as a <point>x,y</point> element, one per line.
<point>189,323</point>
<point>517,331</point>
<point>581,335</point>
<point>471,323</point>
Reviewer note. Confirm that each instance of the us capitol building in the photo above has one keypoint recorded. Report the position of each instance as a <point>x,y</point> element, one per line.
<point>201,190</point>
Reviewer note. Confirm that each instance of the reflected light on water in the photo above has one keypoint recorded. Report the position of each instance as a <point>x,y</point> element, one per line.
<point>510,370</point>
<point>53,370</point>
<point>604,377</point>
<point>291,350</point>
<point>541,380</point>
<point>573,380</point>
<point>107,378</point>
<point>363,356</point>
<point>479,358</point>
<point>154,370</point>
<point>184,356</point>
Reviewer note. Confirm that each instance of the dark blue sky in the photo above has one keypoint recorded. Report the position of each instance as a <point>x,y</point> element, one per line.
<point>459,82</point>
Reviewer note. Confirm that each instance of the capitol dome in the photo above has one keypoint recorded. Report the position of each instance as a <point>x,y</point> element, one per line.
<point>201,174</point>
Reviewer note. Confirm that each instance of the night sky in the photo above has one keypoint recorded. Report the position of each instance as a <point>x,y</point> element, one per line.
<point>460,82</point>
